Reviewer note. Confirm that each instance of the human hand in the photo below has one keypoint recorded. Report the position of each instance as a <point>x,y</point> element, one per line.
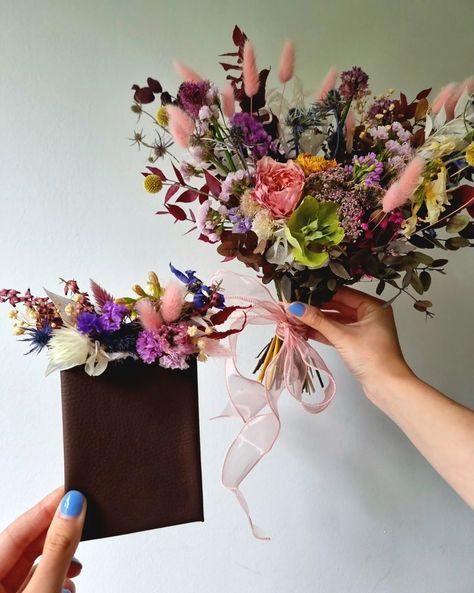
<point>51,531</point>
<point>362,330</point>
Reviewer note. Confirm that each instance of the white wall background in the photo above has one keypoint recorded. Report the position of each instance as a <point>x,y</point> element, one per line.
<point>351,505</point>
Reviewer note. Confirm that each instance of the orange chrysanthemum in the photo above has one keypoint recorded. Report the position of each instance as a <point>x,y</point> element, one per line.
<point>314,164</point>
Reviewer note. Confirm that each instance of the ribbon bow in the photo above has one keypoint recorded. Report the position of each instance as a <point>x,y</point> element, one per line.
<point>257,403</point>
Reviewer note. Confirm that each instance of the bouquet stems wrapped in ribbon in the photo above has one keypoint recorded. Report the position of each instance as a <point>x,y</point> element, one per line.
<point>311,194</point>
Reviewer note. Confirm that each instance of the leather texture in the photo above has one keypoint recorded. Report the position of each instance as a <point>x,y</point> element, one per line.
<point>131,446</point>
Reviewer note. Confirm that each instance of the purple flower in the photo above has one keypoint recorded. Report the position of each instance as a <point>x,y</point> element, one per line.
<point>193,96</point>
<point>381,108</point>
<point>354,83</point>
<point>149,346</point>
<point>246,130</point>
<point>240,222</point>
<point>367,169</point>
<point>112,315</point>
<point>88,323</point>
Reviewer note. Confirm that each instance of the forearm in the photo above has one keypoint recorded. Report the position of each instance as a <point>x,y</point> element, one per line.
<point>441,429</point>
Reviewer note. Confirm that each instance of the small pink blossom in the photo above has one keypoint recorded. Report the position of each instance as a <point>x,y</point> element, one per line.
<point>278,186</point>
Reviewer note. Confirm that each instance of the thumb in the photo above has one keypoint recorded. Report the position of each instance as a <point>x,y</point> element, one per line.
<point>312,317</point>
<point>61,542</point>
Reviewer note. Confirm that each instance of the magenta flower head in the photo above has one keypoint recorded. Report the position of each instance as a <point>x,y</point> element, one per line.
<point>354,83</point>
<point>194,95</point>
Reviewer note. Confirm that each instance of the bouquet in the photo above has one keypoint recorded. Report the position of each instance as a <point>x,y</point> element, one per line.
<point>312,195</point>
<point>163,325</point>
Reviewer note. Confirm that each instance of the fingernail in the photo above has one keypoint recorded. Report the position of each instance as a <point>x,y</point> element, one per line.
<point>76,561</point>
<point>297,309</point>
<point>67,591</point>
<point>71,504</point>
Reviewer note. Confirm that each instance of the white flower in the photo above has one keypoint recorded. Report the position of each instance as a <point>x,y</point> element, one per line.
<point>280,252</point>
<point>263,225</point>
<point>67,348</point>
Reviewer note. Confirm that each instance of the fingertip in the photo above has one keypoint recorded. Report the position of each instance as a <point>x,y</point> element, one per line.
<point>297,308</point>
<point>72,504</point>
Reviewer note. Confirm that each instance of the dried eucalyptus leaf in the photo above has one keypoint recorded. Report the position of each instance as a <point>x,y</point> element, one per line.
<point>457,223</point>
<point>456,243</point>
<point>339,270</point>
<point>416,283</point>
<point>422,258</point>
<point>422,305</point>
<point>425,280</point>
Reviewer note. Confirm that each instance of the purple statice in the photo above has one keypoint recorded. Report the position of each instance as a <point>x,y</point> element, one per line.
<point>241,223</point>
<point>89,323</point>
<point>194,95</point>
<point>236,183</point>
<point>354,84</point>
<point>366,169</point>
<point>148,346</point>
<point>112,315</point>
<point>247,131</point>
<point>379,133</point>
<point>401,149</point>
<point>402,134</point>
<point>338,185</point>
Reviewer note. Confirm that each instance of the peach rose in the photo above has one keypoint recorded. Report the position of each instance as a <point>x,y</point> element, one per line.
<point>278,186</point>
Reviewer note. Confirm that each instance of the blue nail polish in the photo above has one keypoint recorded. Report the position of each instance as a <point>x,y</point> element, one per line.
<point>297,309</point>
<point>71,504</point>
<point>66,591</point>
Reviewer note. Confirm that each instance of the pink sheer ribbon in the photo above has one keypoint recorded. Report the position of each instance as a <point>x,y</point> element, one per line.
<point>257,403</point>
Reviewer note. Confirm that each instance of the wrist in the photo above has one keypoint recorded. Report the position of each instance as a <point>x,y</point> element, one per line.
<point>384,385</point>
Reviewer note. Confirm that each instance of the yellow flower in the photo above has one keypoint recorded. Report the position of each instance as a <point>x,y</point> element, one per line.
<point>436,197</point>
<point>13,314</point>
<point>153,184</point>
<point>470,154</point>
<point>314,164</point>
<point>162,116</point>
<point>248,206</point>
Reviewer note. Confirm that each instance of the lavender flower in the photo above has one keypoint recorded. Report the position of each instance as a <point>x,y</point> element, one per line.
<point>354,84</point>
<point>208,221</point>
<point>112,315</point>
<point>149,346</point>
<point>366,169</point>
<point>194,95</point>
<point>241,223</point>
<point>247,131</point>
<point>236,183</point>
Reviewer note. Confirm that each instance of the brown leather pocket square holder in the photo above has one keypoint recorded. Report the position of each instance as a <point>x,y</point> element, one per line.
<point>131,446</point>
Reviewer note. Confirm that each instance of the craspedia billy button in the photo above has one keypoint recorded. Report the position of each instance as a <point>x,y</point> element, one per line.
<point>153,184</point>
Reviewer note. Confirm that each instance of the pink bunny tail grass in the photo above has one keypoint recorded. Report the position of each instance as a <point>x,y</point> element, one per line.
<point>250,71</point>
<point>455,95</point>
<point>101,296</point>
<point>329,82</point>
<point>172,302</point>
<point>148,315</point>
<point>287,62</point>
<point>186,73</point>
<point>442,96</point>
<point>350,126</point>
<point>181,125</point>
<point>400,191</point>
<point>228,101</point>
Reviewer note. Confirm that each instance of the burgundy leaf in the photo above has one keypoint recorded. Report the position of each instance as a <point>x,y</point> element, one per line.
<point>232,54</point>
<point>188,196</point>
<point>158,172</point>
<point>179,177</point>
<point>222,316</point>
<point>190,230</point>
<point>465,196</point>
<point>176,211</point>
<point>229,332</point>
<point>143,95</point>
<point>423,94</point>
<point>162,212</point>
<point>154,85</point>
<point>228,67</point>
<point>171,191</point>
<point>213,184</point>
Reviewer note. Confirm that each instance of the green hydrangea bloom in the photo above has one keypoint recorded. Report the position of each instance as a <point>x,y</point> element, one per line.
<point>312,228</point>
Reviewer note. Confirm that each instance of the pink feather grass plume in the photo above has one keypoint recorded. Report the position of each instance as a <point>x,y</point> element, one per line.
<point>287,62</point>
<point>250,71</point>
<point>401,190</point>
<point>228,101</point>
<point>181,125</point>
<point>186,73</point>
<point>172,302</point>
<point>149,317</point>
<point>328,83</point>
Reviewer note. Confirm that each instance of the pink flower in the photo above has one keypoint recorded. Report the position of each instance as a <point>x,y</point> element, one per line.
<point>278,186</point>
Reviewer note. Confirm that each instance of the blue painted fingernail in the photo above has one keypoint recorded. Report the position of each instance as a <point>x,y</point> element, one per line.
<point>297,309</point>
<point>67,591</point>
<point>71,504</point>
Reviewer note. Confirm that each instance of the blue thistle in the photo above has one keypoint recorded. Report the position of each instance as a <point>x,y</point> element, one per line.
<point>37,337</point>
